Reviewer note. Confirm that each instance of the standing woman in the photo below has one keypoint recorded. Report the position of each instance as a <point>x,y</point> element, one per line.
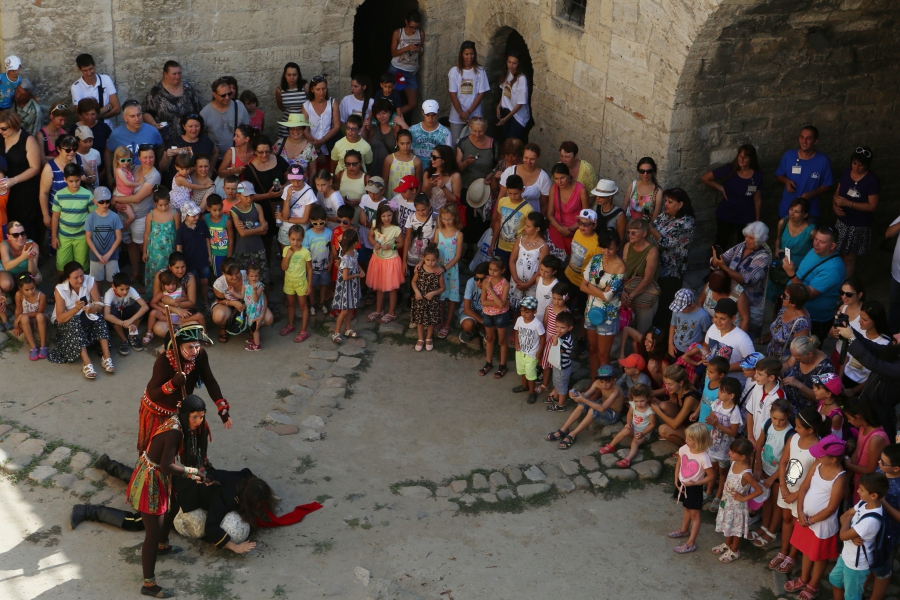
<point>401,163</point>
<point>536,180</point>
<point>321,111</point>
<point>740,185</point>
<point>873,325</point>
<point>476,155</point>
<point>468,83</point>
<point>407,44</point>
<point>854,202</point>
<point>511,153</point>
<point>806,363</point>
<point>641,293</point>
<point>790,322</point>
<point>644,197</point>
<point>513,112</point>
<point>290,95</point>
<point>238,156</point>
<point>796,233</point>
<point>268,173</point>
<point>603,280</point>
<point>352,181</point>
<point>23,164</point>
<point>381,133</point>
<point>566,200</point>
<point>609,216</point>
<point>296,149</point>
<point>852,298</point>
<point>580,170</point>
<point>48,135</point>
<point>673,230</point>
<point>168,101</point>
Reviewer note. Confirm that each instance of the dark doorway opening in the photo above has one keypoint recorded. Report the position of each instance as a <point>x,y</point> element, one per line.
<point>506,40</point>
<point>373,25</point>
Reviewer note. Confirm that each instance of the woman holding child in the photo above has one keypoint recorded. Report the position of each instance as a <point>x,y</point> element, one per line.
<point>676,411</point>
<point>182,306</point>
<point>805,363</point>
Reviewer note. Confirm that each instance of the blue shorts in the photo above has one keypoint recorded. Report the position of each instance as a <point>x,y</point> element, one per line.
<point>218,262</point>
<point>561,380</point>
<point>605,328</point>
<point>850,580</point>
<point>607,417</point>
<point>501,321</point>
<point>412,81</point>
<point>201,273</point>
<point>321,279</point>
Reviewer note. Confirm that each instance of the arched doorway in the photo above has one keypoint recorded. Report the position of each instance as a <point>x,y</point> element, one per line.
<point>503,42</point>
<point>373,25</point>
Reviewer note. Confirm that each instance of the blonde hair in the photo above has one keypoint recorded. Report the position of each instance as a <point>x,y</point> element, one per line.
<point>699,434</point>
<point>450,209</point>
<point>122,152</point>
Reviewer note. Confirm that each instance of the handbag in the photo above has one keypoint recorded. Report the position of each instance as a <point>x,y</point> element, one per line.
<point>554,358</point>
<point>220,181</point>
<point>649,296</point>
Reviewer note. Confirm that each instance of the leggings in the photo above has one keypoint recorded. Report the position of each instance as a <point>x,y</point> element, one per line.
<point>156,531</point>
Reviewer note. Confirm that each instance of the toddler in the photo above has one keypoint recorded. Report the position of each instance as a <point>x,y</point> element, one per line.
<point>633,367</point>
<point>561,342</point>
<point>733,517</point>
<point>318,241</point>
<point>386,265</point>
<point>221,232</point>
<point>255,305</point>
<point>124,308</point>
<point>639,424</point>
<point>602,402</point>
<point>529,344</point>
<point>449,240</point>
<point>494,308</point>
<point>693,472</point>
<point>427,285</point>
<point>725,422</point>
<point>126,184</point>
<point>558,297</point>
<point>182,184</point>
<point>169,288</point>
<point>29,315</point>
<point>296,263</point>
<point>347,290</point>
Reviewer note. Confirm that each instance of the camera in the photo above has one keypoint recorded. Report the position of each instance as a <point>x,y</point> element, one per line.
<point>777,262</point>
<point>841,320</point>
<point>718,250</point>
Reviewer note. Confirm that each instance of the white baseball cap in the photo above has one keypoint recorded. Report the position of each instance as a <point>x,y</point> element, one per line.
<point>13,63</point>
<point>587,213</point>
<point>430,106</point>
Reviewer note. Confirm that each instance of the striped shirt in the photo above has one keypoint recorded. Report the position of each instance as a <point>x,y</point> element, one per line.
<point>74,208</point>
<point>565,350</point>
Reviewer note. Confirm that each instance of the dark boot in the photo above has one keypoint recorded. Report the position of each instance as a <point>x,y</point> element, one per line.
<point>114,468</point>
<point>101,514</point>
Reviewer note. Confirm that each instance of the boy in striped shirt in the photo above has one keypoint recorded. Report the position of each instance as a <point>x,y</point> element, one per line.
<point>561,374</point>
<point>70,208</point>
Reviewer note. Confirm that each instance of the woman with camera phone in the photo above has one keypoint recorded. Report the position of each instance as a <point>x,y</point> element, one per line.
<point>872,324</point>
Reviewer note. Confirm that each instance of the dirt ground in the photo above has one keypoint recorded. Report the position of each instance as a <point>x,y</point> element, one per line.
<point>411,416</point>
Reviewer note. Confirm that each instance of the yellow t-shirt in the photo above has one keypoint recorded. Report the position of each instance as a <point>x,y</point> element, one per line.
<point>386,237</point>
<point>583,250</point>
<point>515,225</point>
<point>296,271</point>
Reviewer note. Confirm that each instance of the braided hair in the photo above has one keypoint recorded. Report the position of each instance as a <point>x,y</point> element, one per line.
<point>195,441</point>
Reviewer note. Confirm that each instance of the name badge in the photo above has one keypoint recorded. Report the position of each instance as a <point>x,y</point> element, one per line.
<point>751,188</point>
<point>853,193</point>
<point>795,170</point>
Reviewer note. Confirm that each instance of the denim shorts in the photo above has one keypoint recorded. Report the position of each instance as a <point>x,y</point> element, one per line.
<point>605,328</point>
<point>561,380</point>
<point>321,279</point>
<point>501,321</point>
<point>412,81</point>
<point>607,417</point>
<point>202,272</point>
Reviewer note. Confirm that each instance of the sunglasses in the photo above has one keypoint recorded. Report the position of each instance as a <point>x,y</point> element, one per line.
<point>867,154</point>
<point>225,95</point>
<point>479,279</point>
<point>353,129</point>
<point>66,149</point>
<point>344,221</point>
<point>103,201</point>
<point>17,234</point>
<point>847,294</point>
<point>316,223</point>
<point>433,157</point>
<point>645,171</point>
<point>124,160</point>
<point>351,164</point>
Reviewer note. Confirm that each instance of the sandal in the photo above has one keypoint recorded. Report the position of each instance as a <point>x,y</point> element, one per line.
<point>607,449</point>
<point>685,549</point>
<point>374,316</point>
<point>419,345</point>
<point>223,336</point>
<point>251,347</point>
<point>156,591</point>
<point>532,398</point>
<point>678,534</point>
<point>809,593</point>
<point>108,365</point>
<point>566,443</point>
<point>623,464</point>
<point>556,435</point>
<point>501,372</point>
<point>388,317</point>
<point>149,338</point>
<point>351,334</point>
<point>169,549</point>
<point>776,561</point>
<point>794,586</point>
<point>443,331</point>
<point>760,541</point>
<point>540,389</point>
<point>429,345</point>
<point>301,337</point>
<point>555,407</point>
<point>336,338</point>
<point>714,505</point>
<point>485,369</point>
<point>786,566</point>
<point>720,549</point>
<point>287,329</point>
<point>89,372</point>
<point>519,389</point>
<point>729,556</point>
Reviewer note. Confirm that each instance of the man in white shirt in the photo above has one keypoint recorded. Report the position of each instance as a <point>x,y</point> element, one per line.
<point>99,87</point>
<point>725,340</point>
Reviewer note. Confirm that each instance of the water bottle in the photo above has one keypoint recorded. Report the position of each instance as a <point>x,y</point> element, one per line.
<point>276,185</point>
<point>277,213</point>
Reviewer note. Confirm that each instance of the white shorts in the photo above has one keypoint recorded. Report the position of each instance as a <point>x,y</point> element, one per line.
<point>106,272</point>
<point>137,231</point>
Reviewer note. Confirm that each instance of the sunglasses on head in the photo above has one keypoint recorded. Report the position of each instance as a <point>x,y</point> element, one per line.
<point>60,107</point>
<point>318,79</point>
<point>864,152</point>
<point>143,147</point>
<point>655,331</point>
<point>192,116</point>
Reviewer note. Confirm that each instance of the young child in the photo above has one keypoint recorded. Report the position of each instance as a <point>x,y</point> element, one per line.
<point>546,281</point>
<point>427,285</point>
<point>725,421</point>
<point>558,297</point>
<point>103,234</point>
<point>716,371</point>
<point>733,518</point>
<point>67,234</point>
<point>496,316</point>
<point>449,240</point>
<point>386,271</point>
<point>602,402</point>
<point>182,184</point>
<point>203,180</point>
<point>562,372</point>
<point>29,315</point>
<point>126,184</point>
<point>470,313</point>
<point>527,254</point>
<point>193,239</point>
<point>633,367</point>
<point>766,392</point>
<point>508,223</point>
<point>848,577</point>
<point>529,346</point>
<point>639,424</point>
<point>90,157</point>
<point>368,206</point>
<point>221,232</point>
<point>347,291</point>
<point>693,472</point>
<point>345,217</point>
<point>124,308</point>
<point>774,437</point>
<point>829,392</point>
<point>420,228</point>
<point>318,241</point>
<point>251,103</point>
<point>255,302</point>
<point>159,236</point>
<point>169,288</point>
<point>296,263</point>
<point>297,199</point>
<point>818,502</point>
<point>387,91</point>
<point>890,466</point>
<point>329,198</point>
<point>689,323</point>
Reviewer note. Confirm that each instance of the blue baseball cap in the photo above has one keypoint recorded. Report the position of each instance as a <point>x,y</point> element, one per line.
<point>606,372</point>
<point>750,361</point>
<point>529,302</point>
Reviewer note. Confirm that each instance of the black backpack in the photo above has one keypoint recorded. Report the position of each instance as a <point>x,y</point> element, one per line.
<point>881,557</point>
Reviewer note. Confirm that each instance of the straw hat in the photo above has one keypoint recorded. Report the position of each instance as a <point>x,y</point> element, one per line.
<point>478,194</point>
<point>295,120</point>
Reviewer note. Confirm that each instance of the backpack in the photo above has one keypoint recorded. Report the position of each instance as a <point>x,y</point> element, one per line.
<point>881,558</point>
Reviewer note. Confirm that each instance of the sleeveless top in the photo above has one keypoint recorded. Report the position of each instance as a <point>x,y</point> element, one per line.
<point>438,198</point>
<point>816,500</point>
<point>408,61</point>
<point>29,307</point>
<point>797,466</point>
<point>352,189</point>
<point>565,213</point>
<point>382,144</point>
<point>608,220</point>
<point>293,101</point>
<point>637,202</point>
<point>709,303</point>
<point>800,244</point>
<point>494,310</point>
<point>399,170</point>
<point>22,205</point>
<point>249,219</point>
<point>484,163</point>
<point>50,150</point>
<point>863,457</point>
<point>320,124</point>
<point>635,262</point>
<point>22,267</point>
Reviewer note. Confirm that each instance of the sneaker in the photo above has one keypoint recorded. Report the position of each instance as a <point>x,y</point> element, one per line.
<point>465,337</point>
<point>556,407</point>
<point>43,352</point>
<point>33,354</point>
<point>136,343</point>
<point>124,349</point>
<point>312,310</point>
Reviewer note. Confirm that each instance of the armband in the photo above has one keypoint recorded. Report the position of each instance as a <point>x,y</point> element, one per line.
<point>223,407</point>
<point>168,388</point>
<point>191,472</point>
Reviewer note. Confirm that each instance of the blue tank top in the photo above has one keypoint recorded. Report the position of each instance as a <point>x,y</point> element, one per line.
<point>59,181</point>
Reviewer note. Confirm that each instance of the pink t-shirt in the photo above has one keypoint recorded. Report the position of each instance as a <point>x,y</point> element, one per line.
<point>693,466</point>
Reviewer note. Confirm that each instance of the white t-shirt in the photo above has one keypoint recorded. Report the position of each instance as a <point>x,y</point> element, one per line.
<point>532,193</point>
<point>529,336</point>
<point>297,200</point>
<point>514,94</point>
<point>467,86</point>
<point>351,106</point>
<point>733,346</point>
<point>404,209</point>
<point>693,466</point>
<point>120,302</point>
<point>91,162</point>
<point>759,405</point>
<point>331,204</point>
<point>865,529</point>
<point>418,243</point>
<point>721,440</point>
<point>221,285</point>
<point>544,294</point>
<point>71,297</point>
<point>81,90</point>
<point>855,370</point>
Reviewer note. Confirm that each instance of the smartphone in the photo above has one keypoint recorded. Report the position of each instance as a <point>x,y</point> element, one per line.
<point>787,254</point>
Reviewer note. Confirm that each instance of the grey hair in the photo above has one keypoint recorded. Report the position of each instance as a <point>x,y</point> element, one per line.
<point>758,231</point>
<point>805,344</point>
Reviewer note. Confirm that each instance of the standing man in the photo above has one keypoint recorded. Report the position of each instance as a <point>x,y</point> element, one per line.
<point>9,81</point>
<point>132,134</point>
<point>805,173</point>
<point>99,87</point>
<point>223,115</point>
<point>168,101</point>
<point>27,107</point>
<point>822,272</point>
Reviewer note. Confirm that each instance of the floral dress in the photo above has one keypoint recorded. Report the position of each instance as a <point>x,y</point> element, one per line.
<point>609,305</point>
<point>253,309</point>
<point>733,518</point>
<point>783,333</point>
<point>160,245</point>
<point>527,264</point>
<point>447,248</point>
<point>347,293</point>
<point>674,244</point>
<point>426,312</point>
<point>798,400</point>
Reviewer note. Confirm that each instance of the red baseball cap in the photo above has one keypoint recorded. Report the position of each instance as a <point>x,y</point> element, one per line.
<point>409,182</point>
<point>633,361</point>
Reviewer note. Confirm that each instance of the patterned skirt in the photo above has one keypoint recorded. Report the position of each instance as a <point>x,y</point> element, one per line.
<point>149,489</point>
<point>852,239</point>
<point>75,334</point>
